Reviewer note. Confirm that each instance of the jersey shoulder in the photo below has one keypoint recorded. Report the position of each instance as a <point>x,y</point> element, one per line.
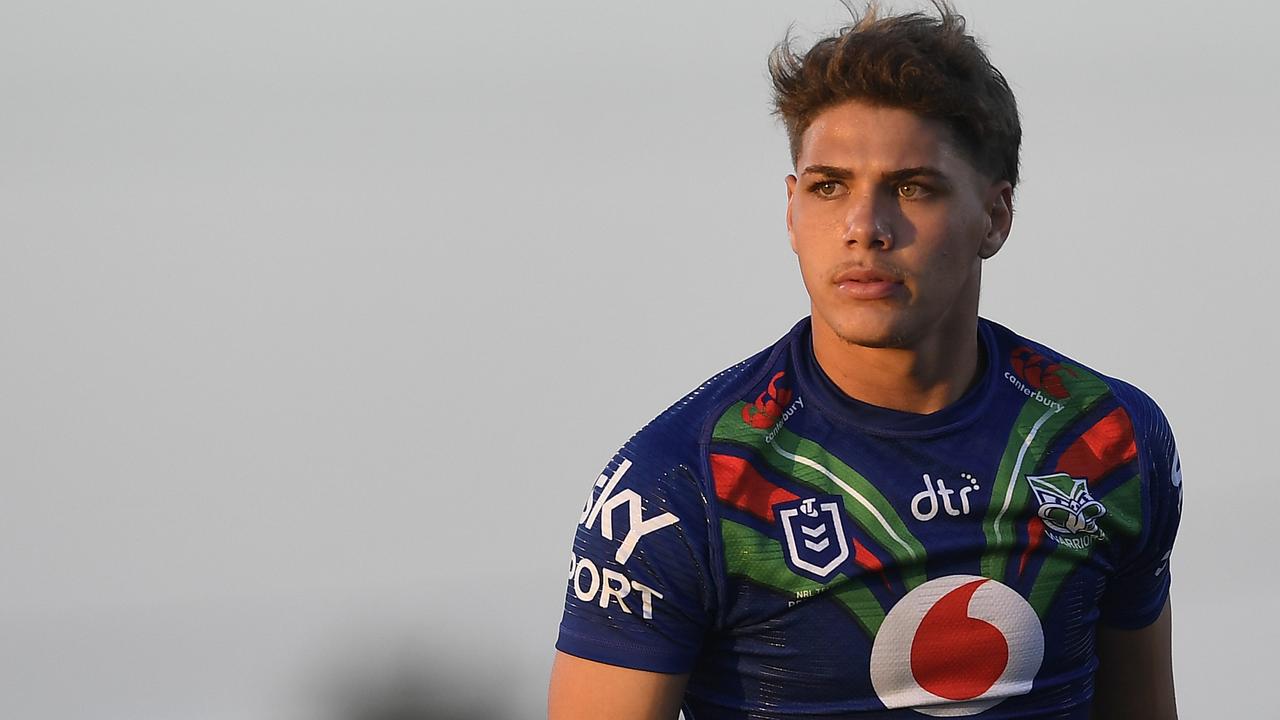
<point>680,432</point>
<point>644,580</point>
<point>1107,426</point>
<point>1058,377</point>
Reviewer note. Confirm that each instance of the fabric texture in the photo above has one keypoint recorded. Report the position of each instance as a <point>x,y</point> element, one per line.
<point>804,554</point>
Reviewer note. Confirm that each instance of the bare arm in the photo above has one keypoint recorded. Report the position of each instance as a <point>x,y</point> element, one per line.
<point>583,690</point>
<point>1135,672</point>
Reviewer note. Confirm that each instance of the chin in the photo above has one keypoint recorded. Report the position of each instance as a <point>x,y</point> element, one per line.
<point>874,339</point>
<point>871,329</point>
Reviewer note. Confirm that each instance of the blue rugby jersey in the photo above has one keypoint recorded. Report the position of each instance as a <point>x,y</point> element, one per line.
<point>801,553</point>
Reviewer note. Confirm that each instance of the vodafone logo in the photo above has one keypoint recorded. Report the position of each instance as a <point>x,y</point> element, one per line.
<point>956,646</point>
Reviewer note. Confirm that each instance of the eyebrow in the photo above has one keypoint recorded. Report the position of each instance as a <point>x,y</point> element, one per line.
<point>840,173</point>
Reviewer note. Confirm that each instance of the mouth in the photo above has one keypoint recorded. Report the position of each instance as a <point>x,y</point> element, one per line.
<point>867,284</point>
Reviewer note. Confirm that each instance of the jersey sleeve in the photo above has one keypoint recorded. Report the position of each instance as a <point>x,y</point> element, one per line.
<point>1136,594</point>
<point>640,592</point>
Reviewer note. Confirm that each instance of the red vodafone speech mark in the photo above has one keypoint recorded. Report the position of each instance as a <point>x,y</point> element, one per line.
<point>956,656</point>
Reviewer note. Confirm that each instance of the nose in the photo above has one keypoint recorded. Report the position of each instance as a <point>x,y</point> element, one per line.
<point>867,223</point>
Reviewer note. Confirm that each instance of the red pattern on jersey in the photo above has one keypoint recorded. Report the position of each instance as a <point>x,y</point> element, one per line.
<point>740,485</point>
<point>868,561</point>
<point>1102,448</point>
<point>1105,446</point>
<point>1035,534</point>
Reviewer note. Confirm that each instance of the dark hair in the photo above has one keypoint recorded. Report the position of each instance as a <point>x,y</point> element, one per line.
<point>916,62</point>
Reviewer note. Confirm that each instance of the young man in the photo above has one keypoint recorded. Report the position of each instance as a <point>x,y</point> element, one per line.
<point>899,509</point>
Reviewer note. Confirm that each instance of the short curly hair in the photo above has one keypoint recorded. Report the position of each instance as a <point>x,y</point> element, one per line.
<point>921,63</point>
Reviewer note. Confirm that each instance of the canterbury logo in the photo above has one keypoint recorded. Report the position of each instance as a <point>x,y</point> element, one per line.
<point>767,408</point>
<point>1040,373</point>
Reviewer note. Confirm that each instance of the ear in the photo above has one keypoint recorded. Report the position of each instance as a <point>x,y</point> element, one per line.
<point>999,219</point>
<point>791,193</point>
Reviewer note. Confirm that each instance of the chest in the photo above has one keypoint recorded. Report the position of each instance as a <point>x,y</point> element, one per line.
<point>884,573</point>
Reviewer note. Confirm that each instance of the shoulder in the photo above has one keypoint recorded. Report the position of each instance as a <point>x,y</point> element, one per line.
<point>679,433</point>
<point>1064,378</point>
<point>1114,443</point>
<point>644,582</point>
<point>1113,417</point>
<point>661,471</point>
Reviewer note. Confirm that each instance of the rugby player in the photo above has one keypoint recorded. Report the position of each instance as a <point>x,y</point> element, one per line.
<point>899,509</point>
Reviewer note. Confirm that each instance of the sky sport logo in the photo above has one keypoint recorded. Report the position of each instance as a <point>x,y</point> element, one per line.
<point>1038,378</point>
<point>956,646</point>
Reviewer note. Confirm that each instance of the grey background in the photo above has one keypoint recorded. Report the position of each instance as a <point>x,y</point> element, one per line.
<point>318,319</point>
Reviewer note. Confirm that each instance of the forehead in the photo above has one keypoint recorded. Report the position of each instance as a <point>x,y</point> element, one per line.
<point>856,134</point>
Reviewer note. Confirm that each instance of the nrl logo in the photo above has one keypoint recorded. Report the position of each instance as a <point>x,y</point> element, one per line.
<point>816,545</point>
<point>1066,506</point>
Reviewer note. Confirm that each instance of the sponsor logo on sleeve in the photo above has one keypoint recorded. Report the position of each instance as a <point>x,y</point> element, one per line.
<point>606,586</point>
<point>611,508</point>
<point>1175,476</point>
<point>604,507</point>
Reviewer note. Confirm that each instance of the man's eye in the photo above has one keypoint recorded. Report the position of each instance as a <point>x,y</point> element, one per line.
<point>911,191</point>
<point>827,188</point>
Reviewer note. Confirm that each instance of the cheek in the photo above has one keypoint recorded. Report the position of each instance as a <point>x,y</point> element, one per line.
<point>954,257</point>
<point>814,263</point>
<point>808,263</point>
<point>816,217</point>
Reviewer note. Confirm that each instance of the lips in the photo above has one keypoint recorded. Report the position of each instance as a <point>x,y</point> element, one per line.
<point>867,283</point>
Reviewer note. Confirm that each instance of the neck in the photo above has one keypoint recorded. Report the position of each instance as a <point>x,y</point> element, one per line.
<point>923,378</point>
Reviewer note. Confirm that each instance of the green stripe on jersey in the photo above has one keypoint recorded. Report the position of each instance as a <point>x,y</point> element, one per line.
<point>1122,518</point>
<point>1124,510</point>
<point>808,463</point>
<point>1036,426</point>
<point>758,558</point>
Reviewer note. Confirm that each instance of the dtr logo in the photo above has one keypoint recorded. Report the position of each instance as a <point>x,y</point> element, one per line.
<point>956,646</point>
<point>816,544</point>
<point>1039,372</point>
<point>929,496</point>
<point>767,408</point>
